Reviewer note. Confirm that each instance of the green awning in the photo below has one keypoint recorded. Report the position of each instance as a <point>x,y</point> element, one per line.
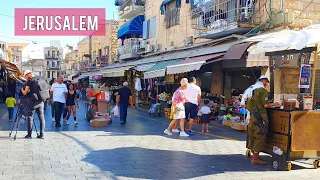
<point>159,69</point>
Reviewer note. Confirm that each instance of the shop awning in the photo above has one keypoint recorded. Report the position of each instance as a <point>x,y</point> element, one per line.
<point>132,27</point>
<point>144,67</point>
<point>116,72</point>
<point>257,60</point>
<point>191,64</point>
<point>159,69</point>
<point>236,51</point>
<point>70,77</point>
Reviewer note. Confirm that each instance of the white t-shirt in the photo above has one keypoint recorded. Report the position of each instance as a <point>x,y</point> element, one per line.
<point>58,92</point>
<point>192,93</point>
<point>205,110</point>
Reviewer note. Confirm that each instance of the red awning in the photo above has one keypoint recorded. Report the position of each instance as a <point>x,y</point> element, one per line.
<point>191,64</point>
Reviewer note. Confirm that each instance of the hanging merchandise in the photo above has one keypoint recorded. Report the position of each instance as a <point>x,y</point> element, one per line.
<point>138,85</point>
<point>305,74</point>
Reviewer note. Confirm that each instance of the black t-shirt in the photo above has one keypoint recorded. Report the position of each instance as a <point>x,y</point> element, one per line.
<point>124,93</point>
<point>12,87</point>
<point>34,92</point>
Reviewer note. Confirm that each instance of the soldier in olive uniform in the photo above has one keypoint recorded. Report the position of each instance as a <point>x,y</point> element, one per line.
<point>259,100</point>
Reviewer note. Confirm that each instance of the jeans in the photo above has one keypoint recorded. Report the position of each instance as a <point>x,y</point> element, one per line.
<point>39,108</point>
<point>10,111</point>
<point>123,112</point>
<point>59,107</point>
<point>53,110</point>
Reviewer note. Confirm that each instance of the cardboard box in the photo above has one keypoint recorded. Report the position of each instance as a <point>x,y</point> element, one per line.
<point>238,126</point>
<point>99,122</point>
<point>226,123</point>
<point>289,105</point>
<point>103,107</point>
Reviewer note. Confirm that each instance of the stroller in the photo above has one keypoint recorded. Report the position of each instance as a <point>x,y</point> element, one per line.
<point>21,115</point>
<point>155,109</point>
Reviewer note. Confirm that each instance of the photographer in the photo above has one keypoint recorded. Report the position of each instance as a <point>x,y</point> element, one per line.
<point>32,91</point>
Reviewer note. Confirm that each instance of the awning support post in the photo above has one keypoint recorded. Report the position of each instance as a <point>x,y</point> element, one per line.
<point>314,70</point>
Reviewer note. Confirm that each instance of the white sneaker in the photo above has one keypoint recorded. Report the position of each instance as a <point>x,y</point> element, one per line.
<point>67,122</point>
<point>167,132</point>
<point>76,123</point>
<point>184,134</point>
<point>175,130</point>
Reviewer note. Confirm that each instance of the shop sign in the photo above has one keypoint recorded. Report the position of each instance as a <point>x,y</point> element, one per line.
<point>292,60</point>
<point>305,73</point>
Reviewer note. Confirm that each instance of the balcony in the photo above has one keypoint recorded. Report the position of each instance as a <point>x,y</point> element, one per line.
<point>129,9</point>
<point>129,49</point>
<point>216,19</point>
<point>53,68</point>
<point>47,57</point>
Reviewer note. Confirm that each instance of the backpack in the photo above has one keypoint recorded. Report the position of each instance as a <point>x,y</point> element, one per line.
<point>44,90</point>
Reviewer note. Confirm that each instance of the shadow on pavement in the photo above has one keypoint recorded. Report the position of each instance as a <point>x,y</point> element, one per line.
<point>142,163</point>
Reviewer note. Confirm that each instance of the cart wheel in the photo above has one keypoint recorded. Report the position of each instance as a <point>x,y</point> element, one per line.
<point>248,153</point>
<point>289,166</point>
<point>316,164</point>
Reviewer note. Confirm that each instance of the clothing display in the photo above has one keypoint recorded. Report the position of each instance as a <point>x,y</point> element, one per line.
<point>138,85</point>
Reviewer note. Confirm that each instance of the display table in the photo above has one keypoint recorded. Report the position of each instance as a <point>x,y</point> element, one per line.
<point>296,133</point>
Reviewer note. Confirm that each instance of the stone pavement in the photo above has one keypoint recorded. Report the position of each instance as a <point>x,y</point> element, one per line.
<point>138,150</point>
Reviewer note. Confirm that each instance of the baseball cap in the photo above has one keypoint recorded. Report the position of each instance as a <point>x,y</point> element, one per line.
<point>264,77</point>
<point>26,72</point>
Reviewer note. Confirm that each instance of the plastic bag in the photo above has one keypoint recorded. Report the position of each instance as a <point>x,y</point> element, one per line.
<point>115,111</point>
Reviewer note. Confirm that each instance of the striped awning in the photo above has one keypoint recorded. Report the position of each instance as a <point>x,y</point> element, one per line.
<point>116,72</point>
<point>257,60</point>
<point>191,64</point>
<point>159,69</point>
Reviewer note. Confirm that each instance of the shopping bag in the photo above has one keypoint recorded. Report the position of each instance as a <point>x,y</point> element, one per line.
<point>116,111</point>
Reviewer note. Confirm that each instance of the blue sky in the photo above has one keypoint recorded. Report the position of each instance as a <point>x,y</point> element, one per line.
<point>7,19</point>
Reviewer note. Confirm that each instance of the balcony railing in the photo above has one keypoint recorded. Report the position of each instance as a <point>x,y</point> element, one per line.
<point>53,67</point>
<point>221,15</point>
<point>129,9</point>
<point>129,48</point>
<point>52,57</point>
<point>125,3</point>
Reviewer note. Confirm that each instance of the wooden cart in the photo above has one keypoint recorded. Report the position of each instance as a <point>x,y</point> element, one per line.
<point>296,133</point>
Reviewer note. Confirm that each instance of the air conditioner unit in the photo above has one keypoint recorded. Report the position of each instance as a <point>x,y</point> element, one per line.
<point>158,47</point>
<point>143,44</point>
<point>188,40</point>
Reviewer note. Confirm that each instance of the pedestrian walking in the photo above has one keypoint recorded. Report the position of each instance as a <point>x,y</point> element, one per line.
<point>11,102</point>
<point>59,92</point>
<point>193,100</point>
<point>32,91</point>
<point>178,101</point>
<point>3,88</point>
<point>257,102</point>
<point>125,96</point>
<point>53,80</point>
<point>72,101</point>
<point>11,88</point>
<point>205,116</point>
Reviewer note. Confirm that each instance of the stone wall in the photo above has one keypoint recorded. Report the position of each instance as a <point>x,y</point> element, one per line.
<point>176,34</point>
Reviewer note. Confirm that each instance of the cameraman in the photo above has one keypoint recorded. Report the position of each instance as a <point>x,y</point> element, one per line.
<point>32,91</point>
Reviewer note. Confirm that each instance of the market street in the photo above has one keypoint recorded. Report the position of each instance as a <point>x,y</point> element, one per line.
<point>138,150</point>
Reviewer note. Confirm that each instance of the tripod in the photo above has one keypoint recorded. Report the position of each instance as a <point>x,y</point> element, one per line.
<point>22,114</point>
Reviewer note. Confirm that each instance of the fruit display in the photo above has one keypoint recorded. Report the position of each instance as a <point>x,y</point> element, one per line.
<point>163,96</point>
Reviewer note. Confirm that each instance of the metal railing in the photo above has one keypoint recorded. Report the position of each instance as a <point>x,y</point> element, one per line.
<point>51,57</point>
<point>131,45</point>
<point>221,14</point>
<point>124,3</point>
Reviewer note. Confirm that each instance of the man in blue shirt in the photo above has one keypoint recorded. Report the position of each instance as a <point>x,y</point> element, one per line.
<point>125,96</point>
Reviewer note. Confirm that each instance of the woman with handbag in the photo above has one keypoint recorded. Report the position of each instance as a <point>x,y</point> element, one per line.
<point>178,101</point>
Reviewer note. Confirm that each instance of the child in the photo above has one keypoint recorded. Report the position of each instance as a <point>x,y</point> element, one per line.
<point>10,101</point>
<point>205,117</point>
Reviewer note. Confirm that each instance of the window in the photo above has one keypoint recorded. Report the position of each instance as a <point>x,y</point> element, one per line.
<point>172,15</point>
<point>99,53</point>
<point>94,54</point>
<point>53,64</point>
<point>48,74</point>
<point>106,50</point>
<point>48,55</point>
<point>53,54</point>
<point>150,28</point>
<point>48,63</point>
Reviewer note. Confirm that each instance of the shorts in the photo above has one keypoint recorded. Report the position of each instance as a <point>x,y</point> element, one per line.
<point>191,110</point>
<point>70,103</point>
<point>180,113</point>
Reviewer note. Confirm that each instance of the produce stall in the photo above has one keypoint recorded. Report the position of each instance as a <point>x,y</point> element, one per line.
<point>293,131</point>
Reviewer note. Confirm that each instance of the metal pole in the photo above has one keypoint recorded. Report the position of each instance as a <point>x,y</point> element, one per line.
<point>314,70</point>
<point>271,95</point>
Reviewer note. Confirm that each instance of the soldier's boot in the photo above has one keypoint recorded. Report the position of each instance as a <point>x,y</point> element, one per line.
<point>256,160</point>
